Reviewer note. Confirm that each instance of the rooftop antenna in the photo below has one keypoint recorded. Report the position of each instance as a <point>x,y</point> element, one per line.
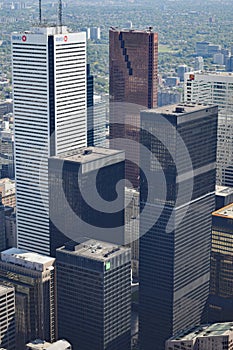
<point>60,15</point>
<point>40,12</point>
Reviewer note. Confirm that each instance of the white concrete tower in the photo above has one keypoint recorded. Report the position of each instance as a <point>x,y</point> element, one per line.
<point>49,85</point>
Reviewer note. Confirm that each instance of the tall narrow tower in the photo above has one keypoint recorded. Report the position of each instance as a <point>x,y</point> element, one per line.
<point>49,82</point>
<point>133,68</point>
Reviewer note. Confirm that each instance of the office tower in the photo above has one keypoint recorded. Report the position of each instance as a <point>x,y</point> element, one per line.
<point>10,227</point>
<point>94,295</point>
<point>199,63</point>
<point>133,79</point>
<point>221,273</point>
<point>132,212</point>
<point>167,96</point>
<point>95,33</point>
<point>6,151</point>
<point>90,104</point>
<point>43,345</point>
<point>219,58</point>
<point>82,187</point>
<point>214,336</point>
<point>2,227</point>
<point>7,317</point>
<point>202,48</point>
<point>179,190</point>
<point>181,70</point>
<point>99,125</point>
<point>216,88</point>
<point>32,276</point>
<point>6,107</point>
<point>96,115</point>
<point>7,191</point>
<point>223,196</point>
<point>49,79</point>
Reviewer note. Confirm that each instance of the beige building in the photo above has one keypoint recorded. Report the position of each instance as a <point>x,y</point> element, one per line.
<point>218,336</point>
<point>7,190</point>
<point>32,276</point>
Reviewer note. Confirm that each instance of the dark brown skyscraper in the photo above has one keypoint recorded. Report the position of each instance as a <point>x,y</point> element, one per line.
<point>133,61</point>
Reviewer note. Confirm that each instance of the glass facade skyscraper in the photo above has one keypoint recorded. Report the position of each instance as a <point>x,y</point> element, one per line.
<point>94,295</point>
<point>74,210</point>
<point>133,79</point>
<point>221,276</point>
<point>174,265</point>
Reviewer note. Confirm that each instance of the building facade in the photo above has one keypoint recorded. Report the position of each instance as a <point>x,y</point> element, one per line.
<point>174,259</point>
<point>223,196</point>
<point>133,79</point>
<point>2,227</point>
<point>217,89</point>
<point>7,318</point>
<point>221,277</point>
<point>214,336</point>
<point>94,293</point>
<point>50,118</point>
<point>82,188</point>
<point>32,276</point>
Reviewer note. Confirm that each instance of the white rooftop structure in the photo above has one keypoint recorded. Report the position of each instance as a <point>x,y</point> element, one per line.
<point>29,260</point>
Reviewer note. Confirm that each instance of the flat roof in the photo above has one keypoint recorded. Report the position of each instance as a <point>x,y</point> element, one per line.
<point>96,250</point>
<point>88,154</point>
<point>216,329</point>
<point>225,212</point>
<point>179,109</point>
<point>213,73</point>
<point>223,190</point>
<point>26,256</point>
<point>129,30</point>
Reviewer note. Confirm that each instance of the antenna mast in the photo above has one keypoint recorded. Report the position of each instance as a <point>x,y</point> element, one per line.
<point>40,12</point>
<point>60,15</point>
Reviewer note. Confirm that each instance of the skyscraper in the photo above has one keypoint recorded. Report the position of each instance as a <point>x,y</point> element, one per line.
<point>82,186</point>
<point>7,317</point>
<point>94,295</point>
<point>174,265</point>
<point>221,276</point>
<point>2,226</point>
<point>90,104</point>
<point>32,276</point>
<point>96,115</point>
<point>133,69</point>
<point>217,89</point>
<point>49,80</point>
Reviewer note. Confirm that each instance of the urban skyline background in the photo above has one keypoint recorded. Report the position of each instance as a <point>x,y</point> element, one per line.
<point>135,245</point>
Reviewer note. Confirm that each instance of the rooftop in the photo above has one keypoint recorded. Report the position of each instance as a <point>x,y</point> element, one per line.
<point>178,109</point>
<point>126,30</point>
<point>27,259</point>
<point>39,344</point>
<point>223,191</point>
<point>225,212</point>
<point>93,249</point>
<point>89,154</point>
<point>213,73</point>
<point>216,329</point>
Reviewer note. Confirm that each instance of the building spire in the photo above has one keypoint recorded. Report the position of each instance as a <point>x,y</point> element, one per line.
<point>40,12</point>
<point>60,15</point>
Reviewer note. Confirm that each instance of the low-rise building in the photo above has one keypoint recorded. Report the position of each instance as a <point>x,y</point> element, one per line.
<point>207,337</point>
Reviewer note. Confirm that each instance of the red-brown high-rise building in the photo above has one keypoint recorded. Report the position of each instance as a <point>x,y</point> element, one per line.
<point>133,63</point>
